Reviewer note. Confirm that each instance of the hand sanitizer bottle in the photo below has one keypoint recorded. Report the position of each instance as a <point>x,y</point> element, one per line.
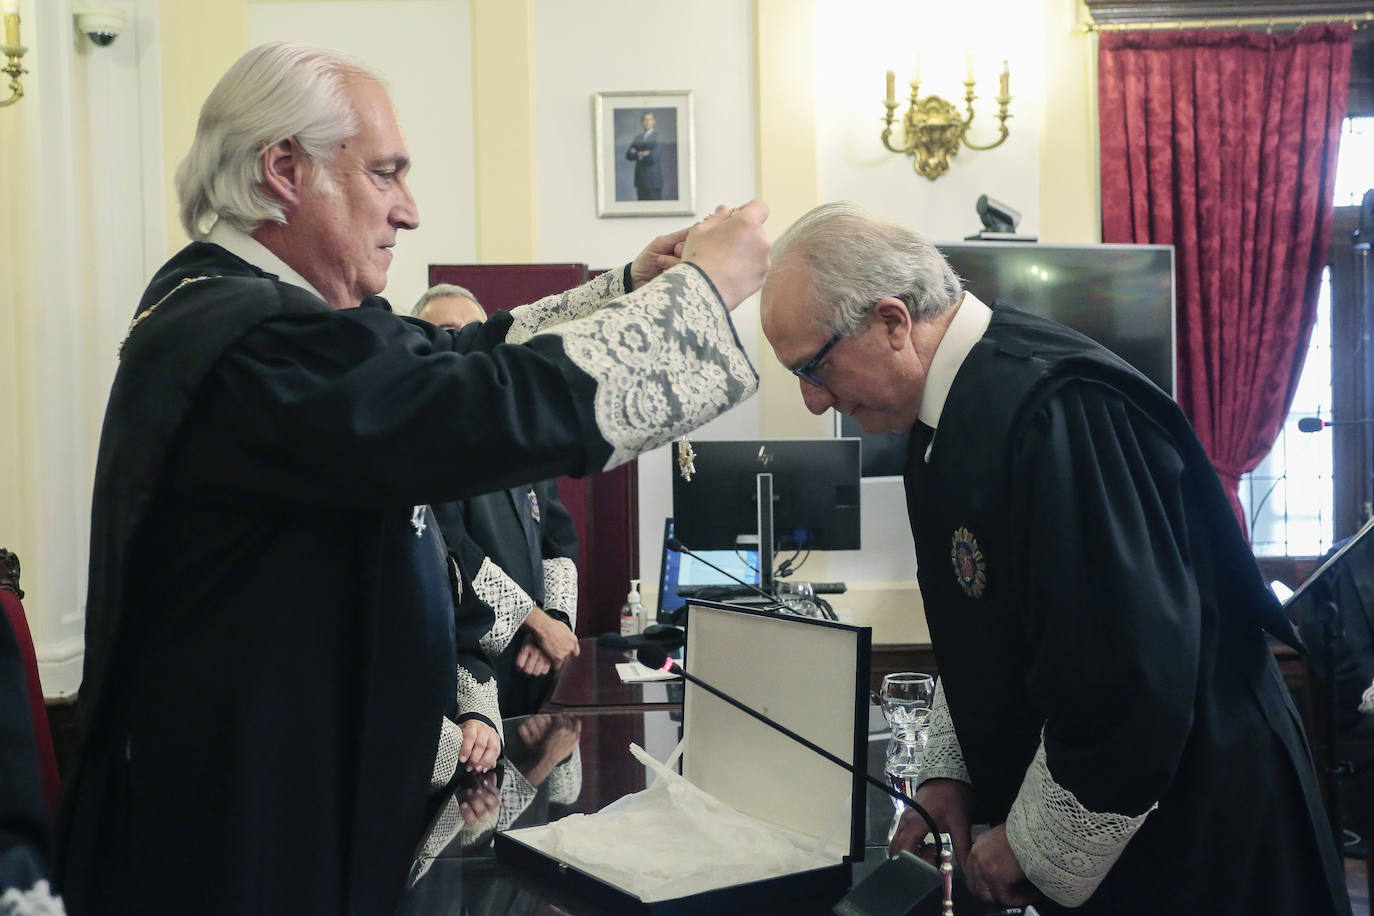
<point>632,613</point>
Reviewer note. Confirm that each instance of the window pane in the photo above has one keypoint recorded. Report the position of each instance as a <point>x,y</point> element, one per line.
<point>1288,498</point>
<point>1355,164</point>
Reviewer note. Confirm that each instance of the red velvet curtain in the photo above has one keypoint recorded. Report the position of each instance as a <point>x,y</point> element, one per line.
<point>1223,144</point>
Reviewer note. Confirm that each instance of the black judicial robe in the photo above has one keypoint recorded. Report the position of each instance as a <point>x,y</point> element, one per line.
<point>270,644</point>
<point>516,530</point>
<point>1087,588</point>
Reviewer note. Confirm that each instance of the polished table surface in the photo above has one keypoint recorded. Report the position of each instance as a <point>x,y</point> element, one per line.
<point>561,763</point>
<point>589,681</point>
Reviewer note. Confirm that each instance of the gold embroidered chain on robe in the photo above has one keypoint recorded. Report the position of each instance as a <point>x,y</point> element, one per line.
<point>138,319</point>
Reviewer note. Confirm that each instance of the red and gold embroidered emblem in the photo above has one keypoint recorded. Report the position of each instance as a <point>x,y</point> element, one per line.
<point>970,567</point>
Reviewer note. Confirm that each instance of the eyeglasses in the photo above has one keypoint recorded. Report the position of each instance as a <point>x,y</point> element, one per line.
<point>807,370</point>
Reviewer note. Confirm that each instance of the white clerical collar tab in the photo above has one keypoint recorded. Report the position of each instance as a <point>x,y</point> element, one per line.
<point>965,329</point>
<point>244,246</point>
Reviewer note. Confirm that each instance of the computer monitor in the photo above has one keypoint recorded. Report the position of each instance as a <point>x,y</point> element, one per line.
<point>1122,296</point>
<point>682,577</point>
<point>814,505</point>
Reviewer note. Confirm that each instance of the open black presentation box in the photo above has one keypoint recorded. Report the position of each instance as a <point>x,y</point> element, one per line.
<point>809,675</point>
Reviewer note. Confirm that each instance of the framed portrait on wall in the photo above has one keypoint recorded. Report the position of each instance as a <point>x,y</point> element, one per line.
<point>645,154</point>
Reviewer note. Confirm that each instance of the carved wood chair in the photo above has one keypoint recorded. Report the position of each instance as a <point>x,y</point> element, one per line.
<point>11,596</point>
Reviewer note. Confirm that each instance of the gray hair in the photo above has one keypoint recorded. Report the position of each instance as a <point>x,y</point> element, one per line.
<point>855,259</point>
<point>439,291</point>
<point>272,93</point>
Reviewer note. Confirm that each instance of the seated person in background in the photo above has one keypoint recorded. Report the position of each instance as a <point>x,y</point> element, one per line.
<point>517,547</point>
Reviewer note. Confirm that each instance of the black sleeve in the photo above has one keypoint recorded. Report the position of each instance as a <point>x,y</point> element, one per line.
<point>360,408</point>
<point>1114,612</point>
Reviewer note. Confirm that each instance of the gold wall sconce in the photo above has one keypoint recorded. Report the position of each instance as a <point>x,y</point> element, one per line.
<point>13,52</point>
<point>933,128</point>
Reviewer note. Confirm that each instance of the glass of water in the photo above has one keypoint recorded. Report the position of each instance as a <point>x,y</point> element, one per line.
<point>906,698</point>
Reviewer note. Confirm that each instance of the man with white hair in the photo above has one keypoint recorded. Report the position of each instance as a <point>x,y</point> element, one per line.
<point>1107,700</point>
<point>270,640</point>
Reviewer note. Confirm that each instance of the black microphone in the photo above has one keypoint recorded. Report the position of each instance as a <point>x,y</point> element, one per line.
<point>1315,424</point>
<point>656,658</point>
<point>677,546</point>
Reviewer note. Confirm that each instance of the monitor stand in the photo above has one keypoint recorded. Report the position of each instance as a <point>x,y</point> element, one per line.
<point>765,497</point>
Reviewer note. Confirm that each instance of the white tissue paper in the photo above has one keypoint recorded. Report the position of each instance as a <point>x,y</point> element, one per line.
<point>672,840</point>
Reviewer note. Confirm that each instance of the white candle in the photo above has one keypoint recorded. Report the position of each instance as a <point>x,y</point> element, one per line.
<point>916,73</point>
<point>968,68</point>
<point>1006,78</point>
<point>891,87</point>
<point>11,13</point>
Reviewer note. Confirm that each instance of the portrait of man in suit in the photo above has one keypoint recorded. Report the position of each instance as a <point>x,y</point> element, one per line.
<point>643,152</point>
<point>647,170</point>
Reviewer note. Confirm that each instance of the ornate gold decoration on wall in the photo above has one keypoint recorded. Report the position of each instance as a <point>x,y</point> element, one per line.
<point>933,128</point>
<point>13,51</point>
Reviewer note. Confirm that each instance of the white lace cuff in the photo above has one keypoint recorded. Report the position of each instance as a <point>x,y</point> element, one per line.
<point>516,795</point>
<point>943,758</point>
<point>665,359</point>
<point>560,588</point>
<point>1064,849</point>
<point>528,320</point>
<point>479,697</point>
<point>565,782</point>
<point>508,603</point>
<point>446,757</point>
<point>36,901</point>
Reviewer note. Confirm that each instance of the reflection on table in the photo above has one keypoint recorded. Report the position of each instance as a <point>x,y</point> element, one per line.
<point>589,680</point>
<point>558,764</point>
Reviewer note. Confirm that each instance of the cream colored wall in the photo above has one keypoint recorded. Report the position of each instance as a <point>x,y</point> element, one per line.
<point>788,109</point>
<point>1070,205</point>
<point>429,77</point>
<point>199,42</point>
<point>504,96</point>
<point>710,52</point>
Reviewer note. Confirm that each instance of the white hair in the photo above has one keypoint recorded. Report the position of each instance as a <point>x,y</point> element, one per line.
<point>855,259</point>
<point>274,92</point>
<point>439,291</point>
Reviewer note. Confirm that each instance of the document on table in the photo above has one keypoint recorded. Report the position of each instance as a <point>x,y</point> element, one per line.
<point>635,673</point>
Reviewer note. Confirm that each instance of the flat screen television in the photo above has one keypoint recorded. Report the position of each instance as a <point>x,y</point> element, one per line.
<point>1122,296</point>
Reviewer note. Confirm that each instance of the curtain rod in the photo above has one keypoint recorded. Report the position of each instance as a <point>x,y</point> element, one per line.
<point>1267,22</point>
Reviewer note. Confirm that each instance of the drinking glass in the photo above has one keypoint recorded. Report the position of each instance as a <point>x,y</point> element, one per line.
<point>906,697</point>
<point>799,598</point>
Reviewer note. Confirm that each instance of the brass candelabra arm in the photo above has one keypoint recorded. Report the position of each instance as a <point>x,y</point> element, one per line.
<point>887,128</point>
<point>968,102</point>
<point>15,70</point>
<point>1002,102</point>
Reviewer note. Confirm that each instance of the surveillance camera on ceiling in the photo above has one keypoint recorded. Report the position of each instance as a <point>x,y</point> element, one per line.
<point>100,22</point>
